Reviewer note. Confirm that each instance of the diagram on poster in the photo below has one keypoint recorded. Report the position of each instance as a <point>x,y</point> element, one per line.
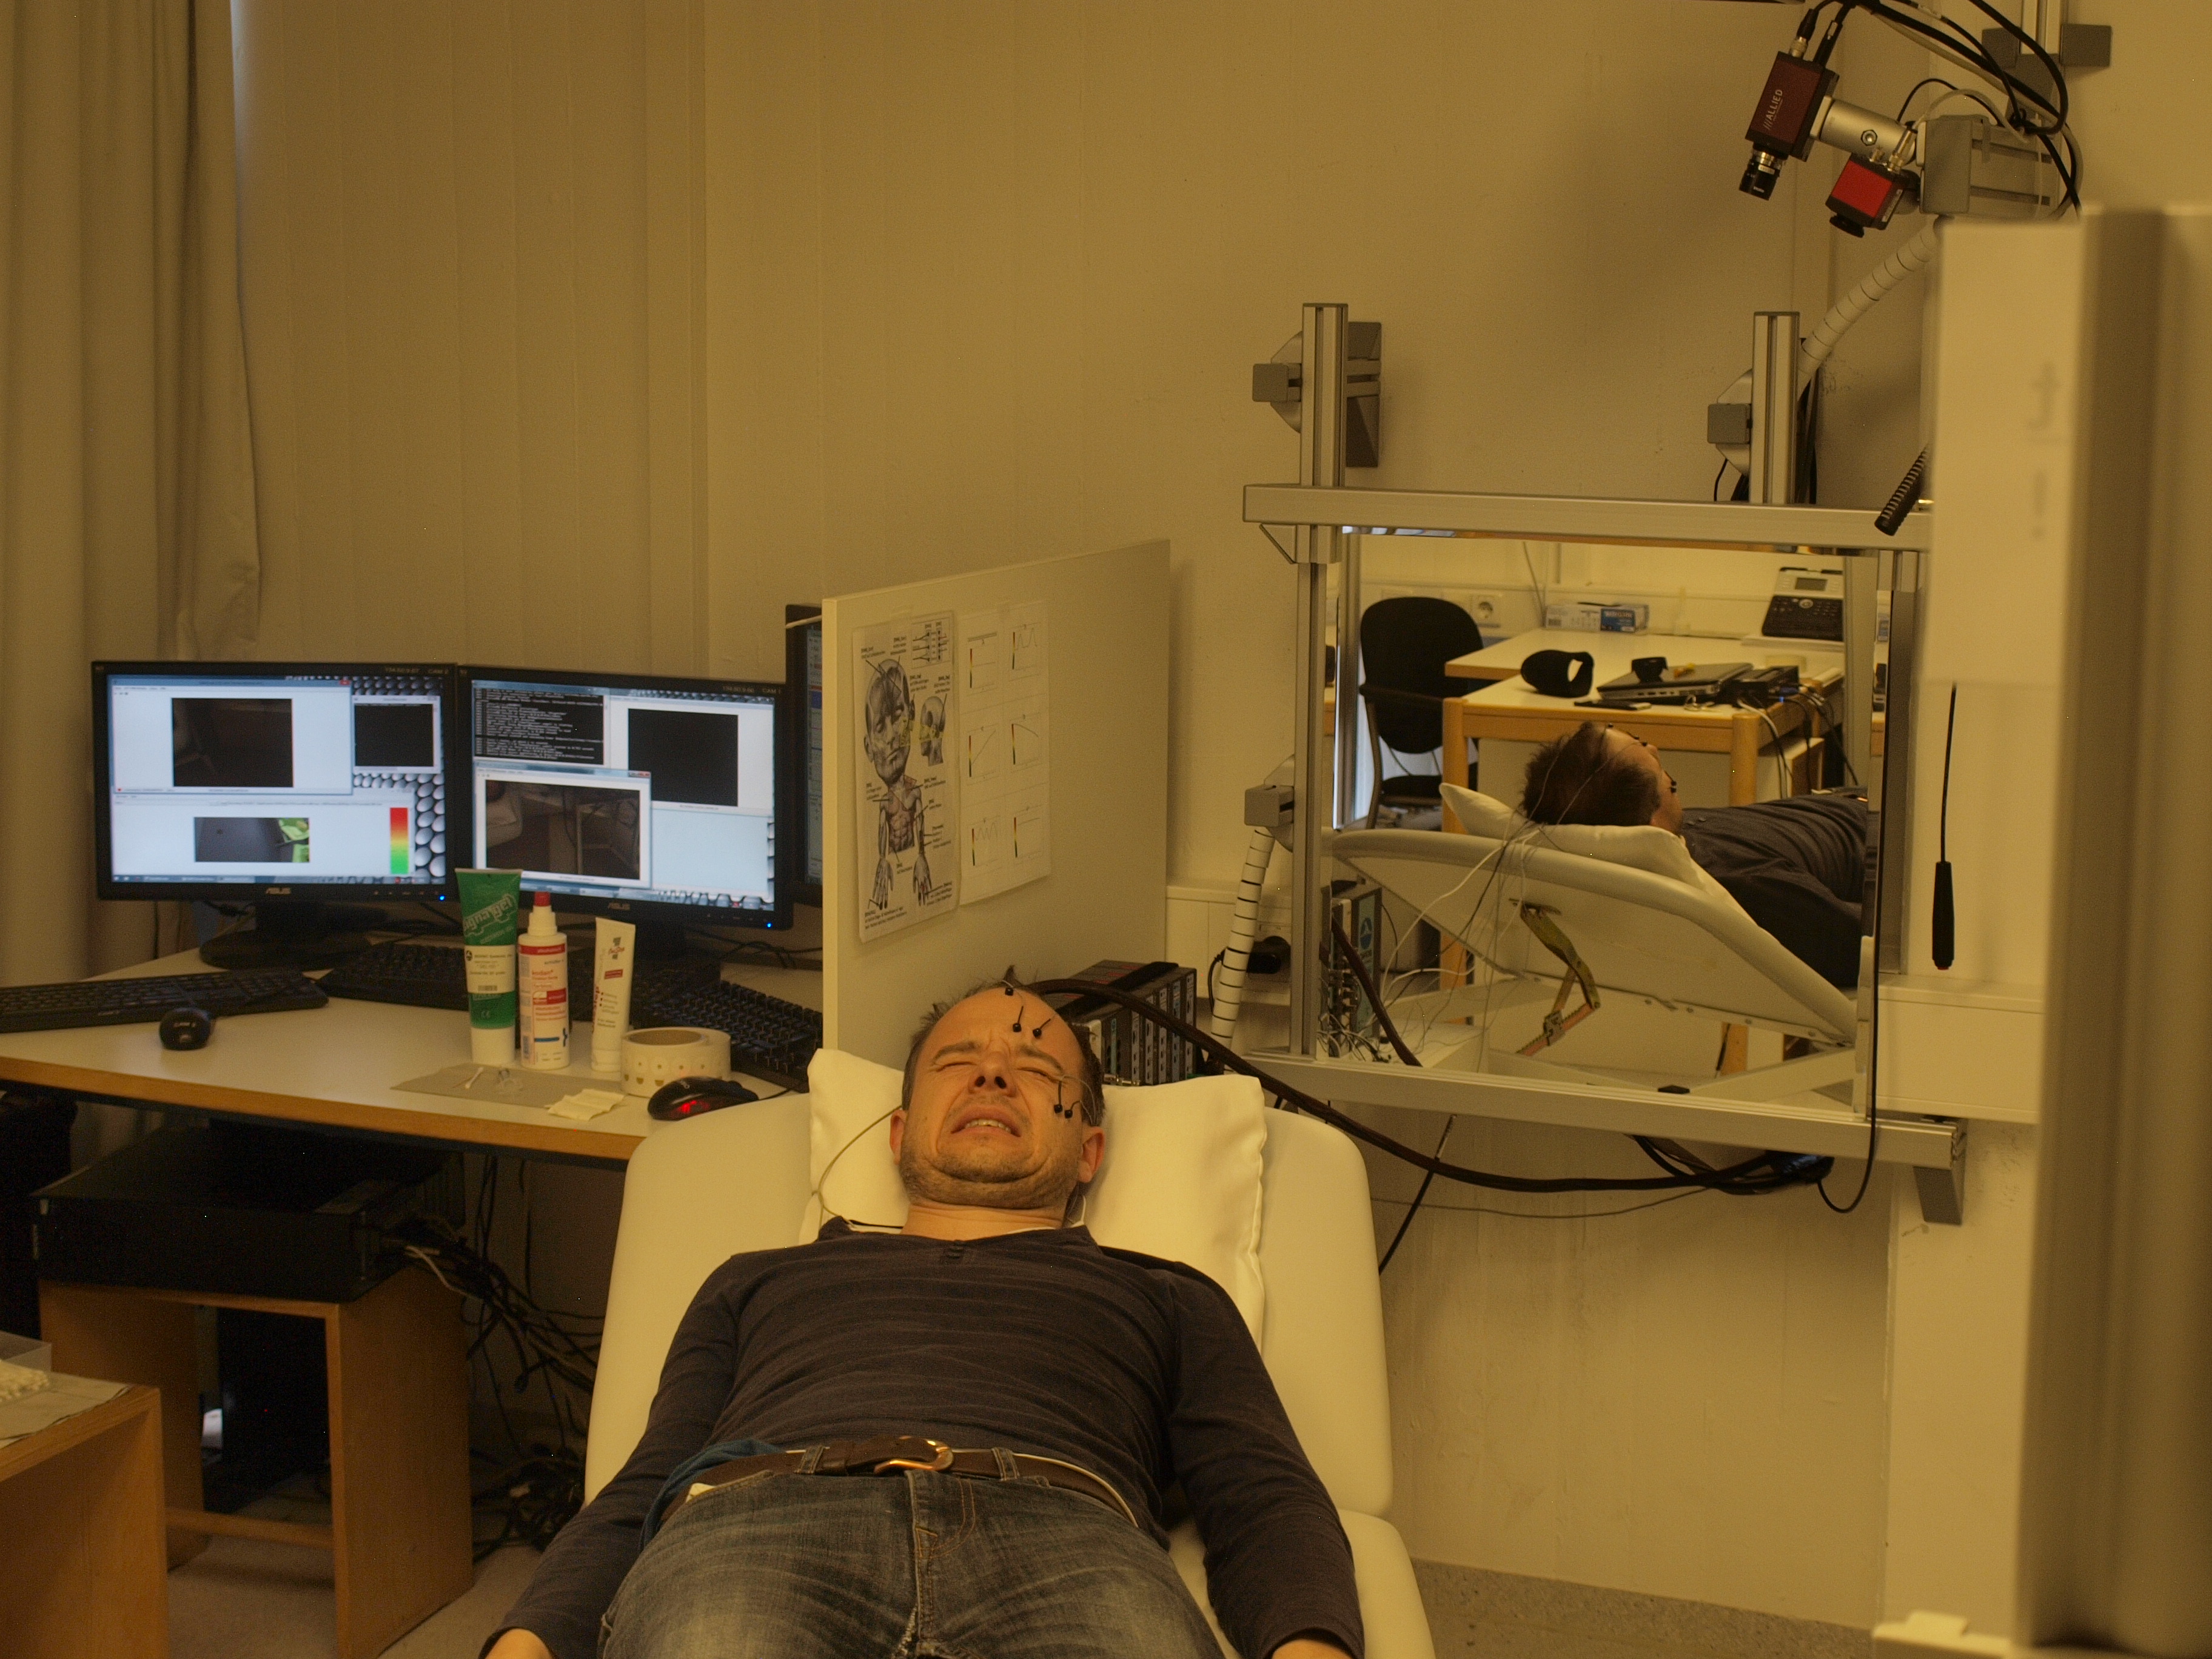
<point>1005,749</point>
<point>909,846</point>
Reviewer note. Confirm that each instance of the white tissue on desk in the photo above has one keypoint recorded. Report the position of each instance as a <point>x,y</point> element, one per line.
<point>16,1380</point>
<point>587,1104</point>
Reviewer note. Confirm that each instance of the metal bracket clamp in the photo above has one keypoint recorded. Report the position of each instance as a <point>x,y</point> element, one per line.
<point>1943,1192</point>
<point>1269,806</point>
<point>1277,382</point>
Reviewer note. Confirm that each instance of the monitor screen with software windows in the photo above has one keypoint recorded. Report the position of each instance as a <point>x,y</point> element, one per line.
<point>640,796</point>
<point>254,781</point>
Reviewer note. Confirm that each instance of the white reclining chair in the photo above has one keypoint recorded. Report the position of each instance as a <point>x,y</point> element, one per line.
<point>700,1191</point>
<point>1647,924</point>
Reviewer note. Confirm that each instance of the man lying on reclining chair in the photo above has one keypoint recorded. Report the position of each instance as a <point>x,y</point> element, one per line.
<point>1005,1405</point>
<point>1797,866</point>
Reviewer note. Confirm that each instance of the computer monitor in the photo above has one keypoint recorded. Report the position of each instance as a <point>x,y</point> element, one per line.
<point>802,673</point>
<point>657,800</point>
<point>284,784</point>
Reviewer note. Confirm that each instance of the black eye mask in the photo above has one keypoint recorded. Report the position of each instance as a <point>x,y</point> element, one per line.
<point>1559,673</point>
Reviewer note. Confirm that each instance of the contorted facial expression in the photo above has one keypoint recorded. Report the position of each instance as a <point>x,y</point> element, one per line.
<point>995,1117</point>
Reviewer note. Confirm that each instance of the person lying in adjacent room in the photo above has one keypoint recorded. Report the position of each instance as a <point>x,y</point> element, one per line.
<point>958,1438</point>
<point>1797,866</point>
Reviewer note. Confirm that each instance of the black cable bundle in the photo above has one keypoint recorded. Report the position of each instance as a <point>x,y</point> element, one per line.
<point>534,1495</point>
<point>1765,1172</point>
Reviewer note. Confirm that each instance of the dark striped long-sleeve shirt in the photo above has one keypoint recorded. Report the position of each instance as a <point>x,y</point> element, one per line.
<point>1045,1342</point>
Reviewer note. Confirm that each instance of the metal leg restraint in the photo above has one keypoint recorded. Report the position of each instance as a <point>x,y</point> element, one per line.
<point>1553,938</point>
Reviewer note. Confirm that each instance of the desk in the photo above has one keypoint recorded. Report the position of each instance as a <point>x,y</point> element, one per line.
<point>398,1375</point>
<point>336,1066</point>
<point>83,1572</point>
<point>1728,750</point>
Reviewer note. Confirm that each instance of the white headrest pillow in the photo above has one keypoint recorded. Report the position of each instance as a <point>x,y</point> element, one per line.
<point>1181,1177</point>
<point>1640,847</point>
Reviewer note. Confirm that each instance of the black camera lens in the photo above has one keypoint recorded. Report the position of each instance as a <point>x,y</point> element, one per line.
<point>1760,174</point>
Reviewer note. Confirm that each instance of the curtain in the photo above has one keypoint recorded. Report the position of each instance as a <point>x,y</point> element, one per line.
<point>127,513</point>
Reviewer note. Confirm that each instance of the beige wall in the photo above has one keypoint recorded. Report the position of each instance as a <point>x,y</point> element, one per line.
<point>470,251</point>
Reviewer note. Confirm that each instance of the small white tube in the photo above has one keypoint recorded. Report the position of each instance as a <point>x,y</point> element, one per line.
<point>1915,255</point>
<point>613,961</point>
<point>1243,927</point>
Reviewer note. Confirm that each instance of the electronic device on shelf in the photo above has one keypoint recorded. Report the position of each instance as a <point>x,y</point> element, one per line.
<point>802,673</point>
<point>1806,604</point>
<point>769,1037</point>
<point>292,786</point>
<point>243,1209</point>
<point>666,802</point>
<point>81,1002</point>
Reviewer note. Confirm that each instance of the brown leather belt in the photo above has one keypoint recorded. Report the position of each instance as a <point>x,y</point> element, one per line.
<point>891,1452</point>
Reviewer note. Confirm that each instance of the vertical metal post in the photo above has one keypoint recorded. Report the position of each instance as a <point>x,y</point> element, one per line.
<point>1862,620</point>
<point>1320,461</point>
<point>1773,407</point>
<point>1349,710</point>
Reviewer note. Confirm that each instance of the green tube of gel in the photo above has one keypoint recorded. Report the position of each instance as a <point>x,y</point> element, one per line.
<point>491,909</point>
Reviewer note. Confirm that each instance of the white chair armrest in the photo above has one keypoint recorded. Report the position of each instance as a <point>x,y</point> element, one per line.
<point>1396,1624</point>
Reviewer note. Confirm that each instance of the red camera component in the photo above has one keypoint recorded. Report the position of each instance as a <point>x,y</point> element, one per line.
<point>1866,197</point>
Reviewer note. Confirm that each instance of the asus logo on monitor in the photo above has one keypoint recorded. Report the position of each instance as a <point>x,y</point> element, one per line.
<point>276,892</point>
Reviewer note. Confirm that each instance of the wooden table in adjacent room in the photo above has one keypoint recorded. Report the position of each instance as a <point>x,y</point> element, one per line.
<point>1719,757</point>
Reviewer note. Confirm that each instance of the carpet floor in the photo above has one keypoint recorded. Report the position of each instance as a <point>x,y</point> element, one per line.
<point>242,1599</point>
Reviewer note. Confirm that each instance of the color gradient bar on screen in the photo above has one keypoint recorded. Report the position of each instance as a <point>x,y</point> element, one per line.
<point>402,840</point>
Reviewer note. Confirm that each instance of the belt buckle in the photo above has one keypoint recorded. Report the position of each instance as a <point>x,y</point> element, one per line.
<point>941,1458</point>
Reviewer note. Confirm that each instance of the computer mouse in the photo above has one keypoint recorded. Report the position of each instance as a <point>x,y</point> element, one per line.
<point>689,1097</point>
<point>186,1028</point>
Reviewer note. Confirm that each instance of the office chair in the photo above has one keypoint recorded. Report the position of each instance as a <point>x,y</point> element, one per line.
<point>1404,644</point>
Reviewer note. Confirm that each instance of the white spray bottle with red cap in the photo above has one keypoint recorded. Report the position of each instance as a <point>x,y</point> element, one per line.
<point>542,961</point>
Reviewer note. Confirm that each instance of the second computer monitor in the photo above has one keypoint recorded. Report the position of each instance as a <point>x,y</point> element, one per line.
<point>632,795</point>
<point>802,634</point>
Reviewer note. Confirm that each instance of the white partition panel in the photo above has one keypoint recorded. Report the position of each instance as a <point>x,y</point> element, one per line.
<point>1107,893</point>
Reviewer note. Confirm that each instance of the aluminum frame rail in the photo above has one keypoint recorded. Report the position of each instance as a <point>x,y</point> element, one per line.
<point>1846,531</point>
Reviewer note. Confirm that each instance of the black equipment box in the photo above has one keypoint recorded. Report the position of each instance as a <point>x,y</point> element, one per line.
<point>240,1209</point>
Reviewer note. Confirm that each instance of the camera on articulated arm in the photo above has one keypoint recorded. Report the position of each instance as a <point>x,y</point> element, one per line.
<point>1797,108</point>
<point>1942,164</point>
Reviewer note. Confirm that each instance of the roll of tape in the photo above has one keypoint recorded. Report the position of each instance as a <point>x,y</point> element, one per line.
<point>661,1054</point>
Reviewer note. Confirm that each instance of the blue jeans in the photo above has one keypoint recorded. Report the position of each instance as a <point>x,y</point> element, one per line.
<point>920,1565</point>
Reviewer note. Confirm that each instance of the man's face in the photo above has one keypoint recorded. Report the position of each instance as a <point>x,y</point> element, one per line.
<point>1668,815</point>
<point>995,1119</point>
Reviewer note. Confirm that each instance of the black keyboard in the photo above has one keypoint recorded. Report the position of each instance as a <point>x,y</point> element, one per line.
<point>135,1002</point>
<point>769,1037</point>
<point>432,976</point>
<point>419,975</point>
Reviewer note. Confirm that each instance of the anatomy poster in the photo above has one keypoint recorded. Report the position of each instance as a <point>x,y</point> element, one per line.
<point>908,779</point>
<point>1005,750</point>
